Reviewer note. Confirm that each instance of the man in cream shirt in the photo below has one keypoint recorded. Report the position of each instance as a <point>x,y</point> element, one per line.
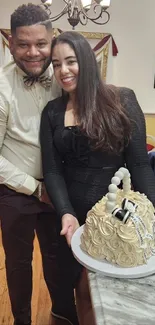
<point>26,86</point>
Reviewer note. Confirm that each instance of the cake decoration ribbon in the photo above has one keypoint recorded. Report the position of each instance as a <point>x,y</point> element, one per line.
<point>127,209</point>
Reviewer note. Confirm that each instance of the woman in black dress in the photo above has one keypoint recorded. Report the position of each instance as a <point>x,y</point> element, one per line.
<point>86,136</point>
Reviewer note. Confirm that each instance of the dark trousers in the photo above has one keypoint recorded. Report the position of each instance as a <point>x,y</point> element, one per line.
<point>20,216</point>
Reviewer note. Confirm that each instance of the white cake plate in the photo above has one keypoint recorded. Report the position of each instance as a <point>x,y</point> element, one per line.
<point>106,268</point>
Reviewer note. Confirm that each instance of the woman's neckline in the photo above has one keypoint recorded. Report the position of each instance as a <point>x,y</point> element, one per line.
<point>64,112</point>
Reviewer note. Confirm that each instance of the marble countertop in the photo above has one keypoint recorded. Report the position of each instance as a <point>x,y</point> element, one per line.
<point>122,301</point>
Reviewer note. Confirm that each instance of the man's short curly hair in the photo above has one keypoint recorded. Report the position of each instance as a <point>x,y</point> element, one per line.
<point>30,14</point>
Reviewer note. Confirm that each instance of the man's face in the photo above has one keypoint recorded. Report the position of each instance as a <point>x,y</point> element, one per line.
<point>31,49</point>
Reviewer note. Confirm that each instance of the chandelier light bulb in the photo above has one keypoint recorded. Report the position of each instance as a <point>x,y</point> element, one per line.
<point>86,3</point>
<point>103,3</point>
<point>47,2</point>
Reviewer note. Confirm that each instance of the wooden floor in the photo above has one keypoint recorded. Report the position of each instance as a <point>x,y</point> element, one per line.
<point>41,304</point>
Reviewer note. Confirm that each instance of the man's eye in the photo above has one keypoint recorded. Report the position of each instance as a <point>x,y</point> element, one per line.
<point>41,45</point>
<point>23,45</point>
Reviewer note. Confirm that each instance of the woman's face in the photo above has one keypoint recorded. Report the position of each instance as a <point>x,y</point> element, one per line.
<point>65,66</point>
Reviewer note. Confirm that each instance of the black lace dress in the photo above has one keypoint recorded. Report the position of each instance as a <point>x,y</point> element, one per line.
<point>77,177</point>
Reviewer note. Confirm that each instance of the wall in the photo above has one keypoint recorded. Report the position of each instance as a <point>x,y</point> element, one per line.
<point>132,25</point>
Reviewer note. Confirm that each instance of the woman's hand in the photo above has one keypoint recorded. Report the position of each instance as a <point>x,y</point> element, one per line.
<point>69,225</point>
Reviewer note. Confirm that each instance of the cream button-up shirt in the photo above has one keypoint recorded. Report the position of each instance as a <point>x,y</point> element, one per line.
<point>20,113</point>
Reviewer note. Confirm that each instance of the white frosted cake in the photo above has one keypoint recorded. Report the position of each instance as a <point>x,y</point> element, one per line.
<point>121,226</point>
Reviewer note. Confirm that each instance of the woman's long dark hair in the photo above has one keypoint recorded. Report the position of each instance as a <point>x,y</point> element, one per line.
<point>100,114</point>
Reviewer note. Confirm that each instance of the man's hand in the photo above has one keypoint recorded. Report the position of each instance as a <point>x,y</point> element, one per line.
<point>69,225</point>
<point>42,195</point>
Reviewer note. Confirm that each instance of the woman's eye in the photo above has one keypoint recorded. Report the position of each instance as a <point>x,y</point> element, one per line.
<point>72,62</point>
<point>55,65</point>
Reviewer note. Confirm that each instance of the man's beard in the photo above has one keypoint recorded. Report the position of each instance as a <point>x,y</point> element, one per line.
<point>31,73</point>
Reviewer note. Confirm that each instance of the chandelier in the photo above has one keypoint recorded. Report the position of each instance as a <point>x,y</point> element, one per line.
<point>80,11</point>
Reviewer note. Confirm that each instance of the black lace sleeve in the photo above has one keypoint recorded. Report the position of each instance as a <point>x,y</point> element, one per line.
<point>136,156</point>
<point>52,165</point>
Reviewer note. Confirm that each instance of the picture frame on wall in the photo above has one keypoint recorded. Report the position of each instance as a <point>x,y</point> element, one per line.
<point>101,54</point>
